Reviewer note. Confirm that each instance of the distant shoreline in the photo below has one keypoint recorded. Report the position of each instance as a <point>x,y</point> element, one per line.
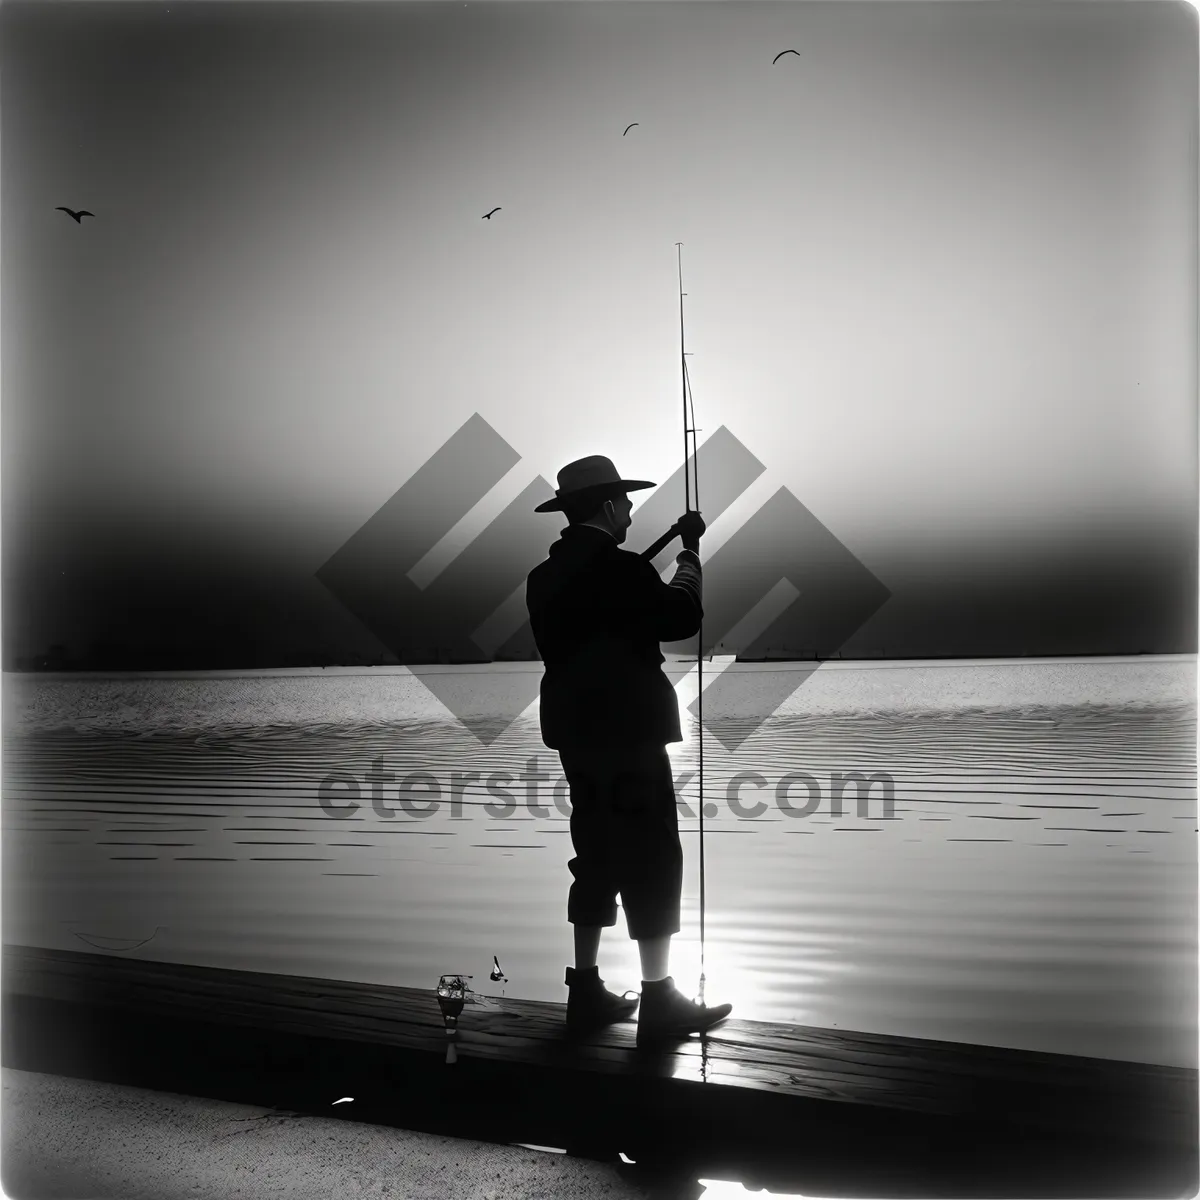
<point>724,661</point>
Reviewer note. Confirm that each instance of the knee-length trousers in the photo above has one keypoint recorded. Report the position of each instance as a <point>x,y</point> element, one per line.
<point>625,834</point>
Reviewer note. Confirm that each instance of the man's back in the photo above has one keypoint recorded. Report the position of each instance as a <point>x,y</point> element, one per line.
<point>598,614</point>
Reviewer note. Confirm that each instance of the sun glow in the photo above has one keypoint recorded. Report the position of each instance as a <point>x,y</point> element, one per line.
<point>728,1189</point>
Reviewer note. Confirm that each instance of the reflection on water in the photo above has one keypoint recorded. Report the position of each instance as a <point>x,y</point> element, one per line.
<point>1033,885</point>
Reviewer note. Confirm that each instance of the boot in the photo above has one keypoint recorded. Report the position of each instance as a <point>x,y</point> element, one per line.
<point>590,1005</point>
<point>668,1015</point>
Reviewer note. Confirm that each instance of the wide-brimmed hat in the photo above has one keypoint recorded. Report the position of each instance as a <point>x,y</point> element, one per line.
<point>593,474</point>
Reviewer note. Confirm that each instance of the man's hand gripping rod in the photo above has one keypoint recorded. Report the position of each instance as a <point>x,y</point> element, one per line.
<point>690,527</point>
<point>662,543</point>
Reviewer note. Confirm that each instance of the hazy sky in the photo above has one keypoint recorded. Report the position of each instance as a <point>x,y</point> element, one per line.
<point>941,267</point>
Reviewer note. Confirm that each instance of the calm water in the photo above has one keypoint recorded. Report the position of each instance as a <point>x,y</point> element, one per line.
<point>1034,885</point>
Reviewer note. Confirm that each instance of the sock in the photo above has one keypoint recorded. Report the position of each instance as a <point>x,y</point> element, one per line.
<point>584,973</point>
<point>658,985</point>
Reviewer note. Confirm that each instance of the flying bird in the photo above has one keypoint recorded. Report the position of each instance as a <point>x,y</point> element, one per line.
<point>488,216</point>
<point>628,128</point>
<point>497,973</point>
<point>81,213</point>
<point>782,53</point>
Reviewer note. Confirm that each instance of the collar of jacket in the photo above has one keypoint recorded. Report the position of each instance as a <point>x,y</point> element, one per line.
<point>588,531</point>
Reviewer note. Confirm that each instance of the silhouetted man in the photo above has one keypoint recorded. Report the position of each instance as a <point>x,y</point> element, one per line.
<point>598,614</point>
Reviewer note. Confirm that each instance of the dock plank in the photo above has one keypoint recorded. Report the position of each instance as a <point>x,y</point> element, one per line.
<point>1055,1093</point>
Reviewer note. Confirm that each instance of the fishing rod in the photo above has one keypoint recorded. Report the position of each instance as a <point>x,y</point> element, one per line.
<point>691,489</point>
<point>653,550</point>
<point>689,405</point>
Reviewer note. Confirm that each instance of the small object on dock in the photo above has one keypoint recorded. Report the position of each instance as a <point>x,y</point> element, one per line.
<point>452,995</point>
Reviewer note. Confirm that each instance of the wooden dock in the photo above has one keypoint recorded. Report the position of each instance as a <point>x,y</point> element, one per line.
<point>837,1112</point>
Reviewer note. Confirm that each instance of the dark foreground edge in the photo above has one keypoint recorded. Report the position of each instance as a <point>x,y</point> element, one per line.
<point>785,1107</point>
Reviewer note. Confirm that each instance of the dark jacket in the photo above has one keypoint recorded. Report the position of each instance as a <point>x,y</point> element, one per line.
<point>598,614</point>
